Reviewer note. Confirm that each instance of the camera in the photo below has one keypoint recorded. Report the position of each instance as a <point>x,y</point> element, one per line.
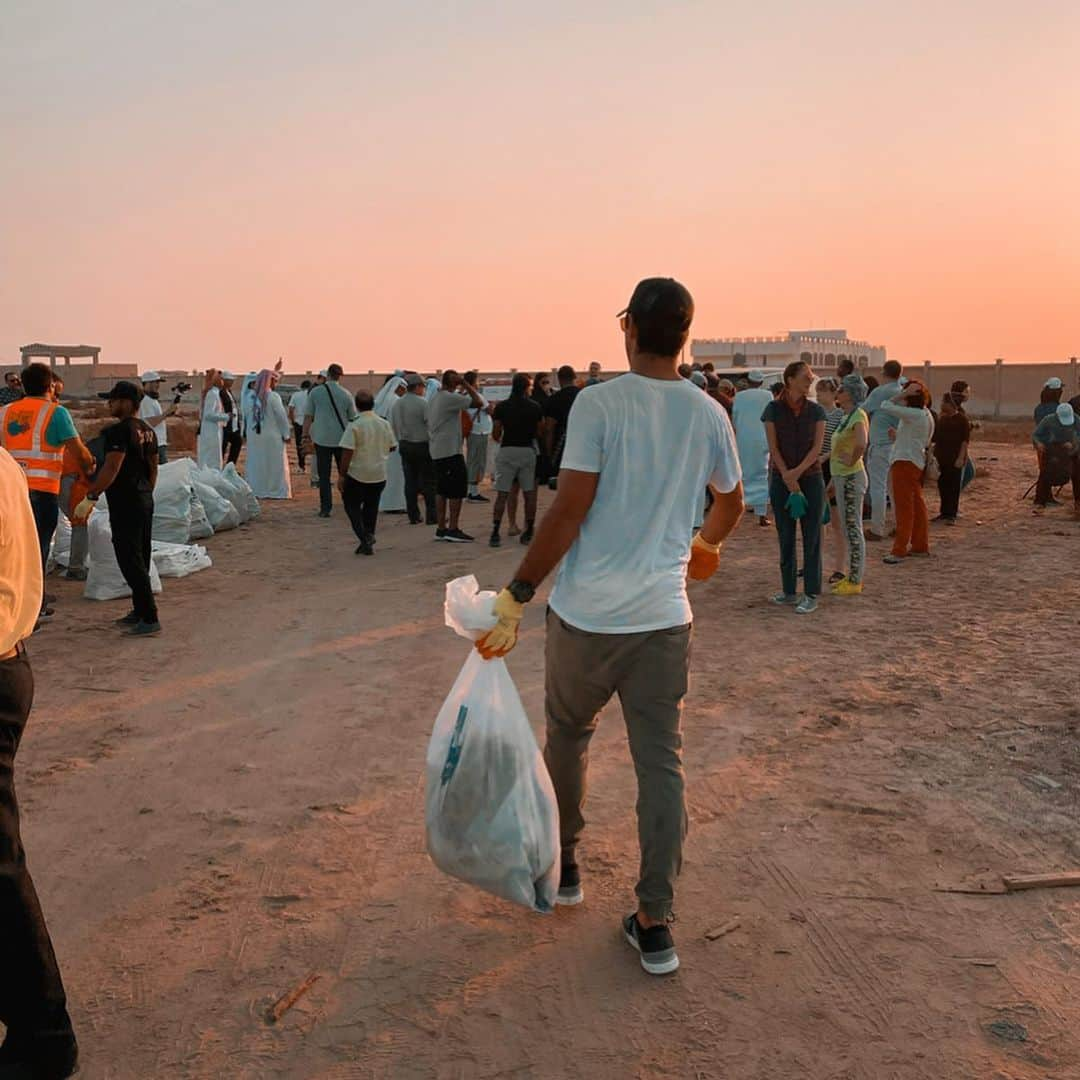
<point>179,390</point>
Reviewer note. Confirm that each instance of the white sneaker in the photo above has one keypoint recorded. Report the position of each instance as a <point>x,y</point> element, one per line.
<point>806,606</point>
<point>782,598</point>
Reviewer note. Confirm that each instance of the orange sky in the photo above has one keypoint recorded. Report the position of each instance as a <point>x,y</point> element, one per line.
<point>207,184</point>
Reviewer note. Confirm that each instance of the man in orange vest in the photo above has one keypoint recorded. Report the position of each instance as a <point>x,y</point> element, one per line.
<point>35,430</point>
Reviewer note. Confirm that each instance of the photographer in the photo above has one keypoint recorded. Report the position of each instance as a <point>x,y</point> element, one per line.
<point>151,412</point>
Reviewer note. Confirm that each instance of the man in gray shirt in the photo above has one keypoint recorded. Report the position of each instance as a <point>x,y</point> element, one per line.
<point>410,421</point>
<point>445,439</point>
<point>327,412</point>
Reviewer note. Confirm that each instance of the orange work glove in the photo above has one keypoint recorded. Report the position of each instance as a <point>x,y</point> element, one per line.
<point>502,637</point>
<point>704,558</point>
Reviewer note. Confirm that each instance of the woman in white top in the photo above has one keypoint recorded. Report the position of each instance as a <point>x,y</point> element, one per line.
<point>268,435</point>
<point>393,496</point>
<point>907,466</point>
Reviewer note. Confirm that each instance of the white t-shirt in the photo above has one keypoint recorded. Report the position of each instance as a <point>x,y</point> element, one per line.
<point>482,422</point>
<point>297,403</point>
<point>151,407</point>
<point>656,444</point>
<point>20,557</point>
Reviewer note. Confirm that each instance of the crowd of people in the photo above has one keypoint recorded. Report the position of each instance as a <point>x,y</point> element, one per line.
<point>652,472</point>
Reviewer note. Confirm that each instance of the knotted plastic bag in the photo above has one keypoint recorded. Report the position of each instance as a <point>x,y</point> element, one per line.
<point>491,814</point>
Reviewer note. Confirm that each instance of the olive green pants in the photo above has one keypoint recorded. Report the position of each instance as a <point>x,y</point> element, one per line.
<point>649,673</point>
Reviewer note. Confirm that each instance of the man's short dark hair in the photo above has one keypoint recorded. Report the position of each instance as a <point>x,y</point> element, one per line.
<point>306,384</point>
<point>335,371</point>
<point>845,366</point>
<point>471,377</point>
<point>36,379</point>
<point>567,375</point>
<point>449,378</point>
<point>708,367</point>
<point>364,401</point>
<point>892,369</point>
<point>519,384</point>
<point>662,310</point>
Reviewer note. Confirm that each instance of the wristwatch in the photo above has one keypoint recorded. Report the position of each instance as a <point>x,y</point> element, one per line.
<point>521,591</point>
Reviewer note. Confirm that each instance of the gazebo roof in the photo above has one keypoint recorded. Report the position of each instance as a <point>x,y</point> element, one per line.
<point>37,349</point>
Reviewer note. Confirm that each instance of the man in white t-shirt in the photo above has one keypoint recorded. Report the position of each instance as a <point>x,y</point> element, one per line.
<point>639,451</point>
<point>39,1040</point>
<point>151,411</point>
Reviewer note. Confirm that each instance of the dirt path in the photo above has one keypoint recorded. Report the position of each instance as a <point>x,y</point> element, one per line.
<point>216,813</point>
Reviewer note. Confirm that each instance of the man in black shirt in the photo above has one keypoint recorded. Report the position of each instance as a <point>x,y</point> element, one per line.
<point>556,413</point>
<point>517,426</point>
<point>127,478</point>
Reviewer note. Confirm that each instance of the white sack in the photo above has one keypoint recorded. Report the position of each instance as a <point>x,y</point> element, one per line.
<point>179,560</point>
<point>104,580</point>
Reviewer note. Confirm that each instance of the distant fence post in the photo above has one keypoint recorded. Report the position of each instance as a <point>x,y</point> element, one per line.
<point>998,380</point>
<point>926,379</point>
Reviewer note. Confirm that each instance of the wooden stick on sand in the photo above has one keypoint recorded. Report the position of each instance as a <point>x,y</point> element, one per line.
<point>287,1001</point>
<point>1041,881</point>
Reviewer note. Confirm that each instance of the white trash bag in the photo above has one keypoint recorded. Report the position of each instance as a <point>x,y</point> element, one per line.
<point>179,560</point>
<point>243,490</point>
<point>220,511</point>
<point>172,502</point>
<point>104,580</point>
<point>492,819</point>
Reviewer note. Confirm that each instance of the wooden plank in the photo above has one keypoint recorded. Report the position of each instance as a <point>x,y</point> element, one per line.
<point>287,1001</point>
<point>1057,880</point>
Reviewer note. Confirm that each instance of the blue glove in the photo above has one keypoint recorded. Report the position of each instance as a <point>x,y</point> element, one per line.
<point>796,505</point>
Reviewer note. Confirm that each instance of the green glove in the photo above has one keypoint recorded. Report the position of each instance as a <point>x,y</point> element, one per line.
<point>796,505</point>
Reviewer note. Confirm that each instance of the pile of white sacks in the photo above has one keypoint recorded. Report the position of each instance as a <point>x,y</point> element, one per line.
<point>190,503</point>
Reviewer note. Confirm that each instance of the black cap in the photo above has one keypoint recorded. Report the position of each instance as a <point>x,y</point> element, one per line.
<point>661,303</point>
<point>124,390</point>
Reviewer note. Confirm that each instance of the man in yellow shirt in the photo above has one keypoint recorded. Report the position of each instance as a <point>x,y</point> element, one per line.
<point>39,1041</point>
<point>366,444</point>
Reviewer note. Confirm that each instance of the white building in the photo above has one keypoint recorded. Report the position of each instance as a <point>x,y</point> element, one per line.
<point>818,347</point>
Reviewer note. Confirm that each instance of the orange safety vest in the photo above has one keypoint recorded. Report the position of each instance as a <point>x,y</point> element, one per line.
<point>23,425</point>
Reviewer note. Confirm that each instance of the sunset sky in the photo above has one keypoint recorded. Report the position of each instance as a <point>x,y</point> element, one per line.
<point>193,184</point>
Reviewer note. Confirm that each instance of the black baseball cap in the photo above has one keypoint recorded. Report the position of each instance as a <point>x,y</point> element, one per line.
<point>663,303</point>
<point>123,390</point>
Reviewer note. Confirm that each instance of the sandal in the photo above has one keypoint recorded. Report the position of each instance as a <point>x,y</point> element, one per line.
<point>835,576</point>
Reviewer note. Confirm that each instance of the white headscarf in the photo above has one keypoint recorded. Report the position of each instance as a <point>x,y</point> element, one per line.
<point>432,388</point>
<point>386,398</point>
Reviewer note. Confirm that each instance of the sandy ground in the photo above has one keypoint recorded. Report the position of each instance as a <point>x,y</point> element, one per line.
<point>215,814</point>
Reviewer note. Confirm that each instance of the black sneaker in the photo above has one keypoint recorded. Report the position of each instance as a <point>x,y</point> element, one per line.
<point>527,535</point>
<point>440,534</point>
<point>655,945</point>
<point>144,629</point>
<point>570,892</point>
<point>46,614</point>
<point>130,619</point>
<point>324,513</point>
<point>456,536</point>
<point>477,498</point>
<point>364,549</point>
<point>496,539</point>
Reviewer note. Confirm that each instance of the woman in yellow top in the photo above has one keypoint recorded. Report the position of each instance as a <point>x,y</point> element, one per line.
<point>848,482</point>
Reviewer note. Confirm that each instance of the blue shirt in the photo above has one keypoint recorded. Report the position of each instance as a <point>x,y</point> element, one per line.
<point>881,423</point>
